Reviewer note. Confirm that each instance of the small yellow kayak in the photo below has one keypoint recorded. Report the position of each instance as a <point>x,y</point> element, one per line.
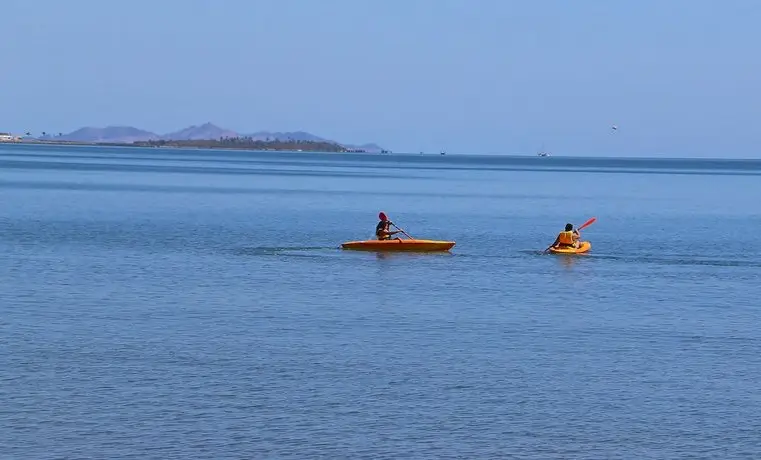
<point>585,246</point>
<point>399,245</point>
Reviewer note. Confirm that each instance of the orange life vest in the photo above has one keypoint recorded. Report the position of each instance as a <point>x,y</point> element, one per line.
<point>566,238</point>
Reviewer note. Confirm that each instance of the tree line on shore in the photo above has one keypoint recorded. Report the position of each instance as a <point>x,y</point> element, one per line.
<point>248,142</point>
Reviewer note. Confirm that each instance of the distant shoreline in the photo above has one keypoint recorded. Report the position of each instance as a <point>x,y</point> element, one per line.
<point>206,135</point>
<point>229,144</point>
<point>295,146</point>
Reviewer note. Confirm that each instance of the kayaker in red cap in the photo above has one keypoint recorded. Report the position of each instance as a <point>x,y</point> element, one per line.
<point>383,229</point>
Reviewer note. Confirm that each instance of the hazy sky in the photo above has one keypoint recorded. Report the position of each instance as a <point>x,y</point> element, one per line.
<point>678,77</point>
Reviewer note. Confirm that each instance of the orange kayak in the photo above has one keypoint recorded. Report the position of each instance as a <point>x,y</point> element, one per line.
<point>399,245</point>
<point>585,246</point>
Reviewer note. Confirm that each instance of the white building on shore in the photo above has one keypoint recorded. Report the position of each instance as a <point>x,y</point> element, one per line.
<point>7,137</point>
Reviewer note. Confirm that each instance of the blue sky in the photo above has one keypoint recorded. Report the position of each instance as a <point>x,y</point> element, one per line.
<point>678,77</point>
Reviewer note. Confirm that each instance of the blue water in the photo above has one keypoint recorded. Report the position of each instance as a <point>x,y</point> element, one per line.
<point>175,304</point>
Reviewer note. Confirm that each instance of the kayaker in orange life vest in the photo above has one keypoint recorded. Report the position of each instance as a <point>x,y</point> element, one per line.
<point>568,238</point>
<point>383,229</point>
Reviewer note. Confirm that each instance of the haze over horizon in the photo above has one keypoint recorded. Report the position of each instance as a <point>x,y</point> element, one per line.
<point>678,78</point>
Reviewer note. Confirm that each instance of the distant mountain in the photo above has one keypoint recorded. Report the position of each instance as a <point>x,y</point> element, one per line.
<point>126,134</point>
<point>197,133</point>
<point>206,131</point>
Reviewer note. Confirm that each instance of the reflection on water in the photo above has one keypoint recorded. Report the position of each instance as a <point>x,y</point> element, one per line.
<point>389,255</point>
<point>568,260</point>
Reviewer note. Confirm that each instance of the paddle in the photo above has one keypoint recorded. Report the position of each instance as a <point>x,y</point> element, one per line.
<point>403,232</point>
<point>583,226</point>
<point>587,224</point>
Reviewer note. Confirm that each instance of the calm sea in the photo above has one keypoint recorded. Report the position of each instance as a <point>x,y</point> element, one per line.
<point>169,304</point>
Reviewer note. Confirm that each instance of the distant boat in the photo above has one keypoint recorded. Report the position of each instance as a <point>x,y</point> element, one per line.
<point>443,152</point>
<point>542,152</point>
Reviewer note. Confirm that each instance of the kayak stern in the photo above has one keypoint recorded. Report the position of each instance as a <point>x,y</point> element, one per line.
<point>584,247</point>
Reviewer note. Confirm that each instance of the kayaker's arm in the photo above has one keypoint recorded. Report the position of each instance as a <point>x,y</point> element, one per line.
<point>393,232</point>
<point>386,233</point>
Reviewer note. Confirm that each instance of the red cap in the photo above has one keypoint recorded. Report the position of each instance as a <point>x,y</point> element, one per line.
<point>382,216</point>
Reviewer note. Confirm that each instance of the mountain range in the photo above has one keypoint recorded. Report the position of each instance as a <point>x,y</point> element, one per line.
<point>206,131</point>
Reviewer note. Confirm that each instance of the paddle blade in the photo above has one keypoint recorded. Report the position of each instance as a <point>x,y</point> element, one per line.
<point>587,223</point>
